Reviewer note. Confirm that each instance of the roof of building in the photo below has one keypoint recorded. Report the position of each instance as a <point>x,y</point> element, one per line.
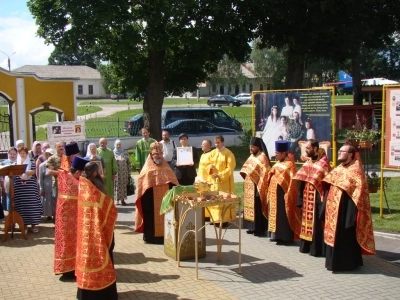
<point>57,71</point>
<point>248,70</point>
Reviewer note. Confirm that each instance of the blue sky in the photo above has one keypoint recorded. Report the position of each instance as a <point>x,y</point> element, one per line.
<point>18,34</point>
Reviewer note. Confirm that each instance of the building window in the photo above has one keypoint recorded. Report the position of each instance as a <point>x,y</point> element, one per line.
<point>80,89</point>
<point>90,89</point>
<point>251,87</point>
<point>261,87</point>
<point>214,88</point>
<point>244,88</point>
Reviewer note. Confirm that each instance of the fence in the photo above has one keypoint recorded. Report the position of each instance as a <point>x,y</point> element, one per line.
<point>106,127</point>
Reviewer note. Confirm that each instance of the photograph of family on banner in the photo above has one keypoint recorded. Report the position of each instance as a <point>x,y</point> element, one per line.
<point>295,116</point>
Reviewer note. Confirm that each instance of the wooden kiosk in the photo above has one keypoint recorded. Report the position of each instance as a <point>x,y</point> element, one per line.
<point>13,217</point>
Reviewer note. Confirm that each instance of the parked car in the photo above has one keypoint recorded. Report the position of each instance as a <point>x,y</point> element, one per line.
<point>194,126</point>
<point>220,100</point>
<point>215,116</point>
<point>134,125</point>
<point>116,96</point>
<point>245,97</point>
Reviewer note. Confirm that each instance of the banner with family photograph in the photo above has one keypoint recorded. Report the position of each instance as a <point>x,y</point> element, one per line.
<point>67,131</point>
<point>295,116</point>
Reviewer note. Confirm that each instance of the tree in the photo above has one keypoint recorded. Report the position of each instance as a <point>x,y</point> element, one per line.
<point>325,29</point>
<point>158,46</point>
<point>269,63</point>
<point>228,72</point>
<point>70,57</point>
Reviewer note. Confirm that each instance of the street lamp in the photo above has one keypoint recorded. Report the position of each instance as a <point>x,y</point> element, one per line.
<point>9,61</point>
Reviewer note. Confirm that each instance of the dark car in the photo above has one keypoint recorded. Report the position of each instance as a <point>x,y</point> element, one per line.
<point>134,125</point>
<point>220,100</point>
<point>194,126</point>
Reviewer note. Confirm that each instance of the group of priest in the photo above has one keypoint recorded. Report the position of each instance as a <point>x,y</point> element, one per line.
<point>328,210</point>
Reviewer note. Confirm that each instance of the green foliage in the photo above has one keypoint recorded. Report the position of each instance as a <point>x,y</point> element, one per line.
<point>66,56</point>
<point>246,138</point>
<point>156,46</point>
<point>367,135</point>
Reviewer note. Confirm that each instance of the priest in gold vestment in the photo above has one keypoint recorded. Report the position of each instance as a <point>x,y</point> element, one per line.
<point>155,179</point>
<point>254,172</point>
<point>347,214</point>
<point>283,215</point>
<point>222,164</point>
<point>310,191</point>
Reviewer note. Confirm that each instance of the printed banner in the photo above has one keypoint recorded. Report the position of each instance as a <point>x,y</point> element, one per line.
<point>295,116</point>
<point>392,128</point>
<point>67,131</point>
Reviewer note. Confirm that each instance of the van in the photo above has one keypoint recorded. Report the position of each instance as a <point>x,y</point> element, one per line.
<point>215,116</point>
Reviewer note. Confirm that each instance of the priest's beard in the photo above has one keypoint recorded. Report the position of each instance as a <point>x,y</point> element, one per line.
<point>157,161</point>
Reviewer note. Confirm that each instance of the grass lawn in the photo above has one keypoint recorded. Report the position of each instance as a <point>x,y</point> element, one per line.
<point>169,101</point>
<point>389,222</point>
<point>344,99</point>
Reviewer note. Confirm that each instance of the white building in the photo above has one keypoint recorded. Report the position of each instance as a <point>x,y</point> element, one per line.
<point>87,80</point>
<point>253,83</point>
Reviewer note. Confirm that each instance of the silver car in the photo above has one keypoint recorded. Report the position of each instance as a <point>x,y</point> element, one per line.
<point>244,97</point>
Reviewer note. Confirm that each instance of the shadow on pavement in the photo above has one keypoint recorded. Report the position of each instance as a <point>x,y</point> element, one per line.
<point>139,294</point>
<point>135,258</point>
<point>266,272</point>
<point>135,276</point>
<point>389,256</point>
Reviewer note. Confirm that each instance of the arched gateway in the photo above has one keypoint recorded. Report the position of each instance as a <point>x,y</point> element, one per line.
<point>22,95</point>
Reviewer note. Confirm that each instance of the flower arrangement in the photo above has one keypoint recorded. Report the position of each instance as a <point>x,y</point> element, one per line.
<point>374,180</point>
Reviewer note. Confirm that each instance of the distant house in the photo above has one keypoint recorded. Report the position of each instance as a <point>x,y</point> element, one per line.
<point>252,83</point>
<point>87,80</point>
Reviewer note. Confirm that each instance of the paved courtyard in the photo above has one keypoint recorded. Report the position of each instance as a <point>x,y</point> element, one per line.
<point>145,272</point>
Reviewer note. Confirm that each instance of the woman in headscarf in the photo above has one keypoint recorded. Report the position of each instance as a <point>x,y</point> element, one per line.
<point>36,150</point>
<point>5,181</point>
<point>91,154</point>
<point>124,171</point>
<point>26,192</point>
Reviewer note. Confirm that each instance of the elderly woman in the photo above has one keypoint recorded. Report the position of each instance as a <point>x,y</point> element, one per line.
<point>5,181</point>
<point>36,150</point>
<point>91,154</point>
<point>26,192</point>
<point>46,187</point>
<point>124,171</point>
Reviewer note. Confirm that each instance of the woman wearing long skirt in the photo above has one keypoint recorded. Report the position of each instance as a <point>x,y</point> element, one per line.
<point>26,192</point>
<point>124,171</point>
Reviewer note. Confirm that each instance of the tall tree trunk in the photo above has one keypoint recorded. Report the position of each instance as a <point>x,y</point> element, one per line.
<point>154,98</point>
<point>356,73</point>
<point>295,69</point>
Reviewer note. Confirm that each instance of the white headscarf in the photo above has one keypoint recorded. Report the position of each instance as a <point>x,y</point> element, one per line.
<point>89,153</point>
<point>19,142</point>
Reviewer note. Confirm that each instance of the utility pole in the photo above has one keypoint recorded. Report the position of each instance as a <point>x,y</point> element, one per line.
<point>9,61</point>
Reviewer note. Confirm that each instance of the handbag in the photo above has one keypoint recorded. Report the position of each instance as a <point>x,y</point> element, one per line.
<point>130,188</point>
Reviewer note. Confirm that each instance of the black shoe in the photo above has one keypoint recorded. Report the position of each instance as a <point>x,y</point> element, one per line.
<point>249,231</point>
<point>69,276</point>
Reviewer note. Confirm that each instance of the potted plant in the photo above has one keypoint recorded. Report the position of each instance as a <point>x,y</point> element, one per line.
<point>367,137</point>
<point>374,182</point>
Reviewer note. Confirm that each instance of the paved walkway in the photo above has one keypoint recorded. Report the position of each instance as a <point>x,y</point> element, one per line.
<point>145,272</point>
